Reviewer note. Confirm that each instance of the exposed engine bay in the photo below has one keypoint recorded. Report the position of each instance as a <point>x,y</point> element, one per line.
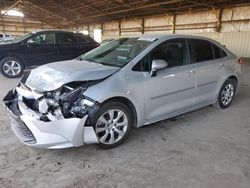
<point>67,101</point>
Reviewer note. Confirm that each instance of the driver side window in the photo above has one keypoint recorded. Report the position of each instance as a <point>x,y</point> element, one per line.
<point>45,38</point>
<point>174,52</point>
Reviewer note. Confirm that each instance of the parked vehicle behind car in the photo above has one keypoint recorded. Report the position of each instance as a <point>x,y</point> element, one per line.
<point>130,82</point>
<point>6,38</point>
<point>105,41</point>
<point>38,48</point>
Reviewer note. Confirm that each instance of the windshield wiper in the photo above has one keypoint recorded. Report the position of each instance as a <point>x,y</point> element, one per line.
<point>111,65</point>
<point>92,61</point>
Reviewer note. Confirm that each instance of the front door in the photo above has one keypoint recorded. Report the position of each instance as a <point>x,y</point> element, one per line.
<point>173,88</point>
<point>41,49</point>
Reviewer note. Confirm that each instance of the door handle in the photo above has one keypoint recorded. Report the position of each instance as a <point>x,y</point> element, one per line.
<point>221,65</point>
<point>190,73</point>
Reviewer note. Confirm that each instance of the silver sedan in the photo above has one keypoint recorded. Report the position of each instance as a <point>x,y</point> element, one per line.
<point>130,82</point>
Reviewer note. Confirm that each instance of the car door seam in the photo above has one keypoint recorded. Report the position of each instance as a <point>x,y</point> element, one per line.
<point>172,93</point>
<point>207,83</point>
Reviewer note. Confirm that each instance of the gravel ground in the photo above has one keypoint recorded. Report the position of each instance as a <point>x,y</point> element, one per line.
<point>205,148</point>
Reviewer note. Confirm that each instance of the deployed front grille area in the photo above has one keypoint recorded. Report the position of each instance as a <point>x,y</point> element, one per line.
<point>23,131</point>
<point>20,129</point>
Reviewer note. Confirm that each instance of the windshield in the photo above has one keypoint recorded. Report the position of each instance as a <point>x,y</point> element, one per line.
<point>119,52</point>
<point>19,39</point>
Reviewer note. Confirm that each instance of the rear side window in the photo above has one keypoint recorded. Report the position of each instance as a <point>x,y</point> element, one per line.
<point>218,52</point>
<point>200,50</point>
<point>65,38</point>
<point>82,38</point>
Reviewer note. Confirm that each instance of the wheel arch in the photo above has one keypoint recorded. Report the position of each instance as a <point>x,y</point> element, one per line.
<point>19,57</point>
<point>128,103</point>
<point>234,78</point>
<point>225,78</point>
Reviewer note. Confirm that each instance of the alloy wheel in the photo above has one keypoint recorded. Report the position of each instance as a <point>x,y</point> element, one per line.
<point>227,94</point>
<point>11,68</point>
<point>111,126</point>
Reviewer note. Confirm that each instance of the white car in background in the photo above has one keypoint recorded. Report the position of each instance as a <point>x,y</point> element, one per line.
<point>6,38</point>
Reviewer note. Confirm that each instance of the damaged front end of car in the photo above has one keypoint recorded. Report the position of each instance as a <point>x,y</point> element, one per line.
<point>52,119</point>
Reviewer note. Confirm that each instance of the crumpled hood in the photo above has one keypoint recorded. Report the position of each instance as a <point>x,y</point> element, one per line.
<point>52,76</point>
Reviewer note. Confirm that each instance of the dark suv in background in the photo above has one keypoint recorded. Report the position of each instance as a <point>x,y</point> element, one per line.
<point>34,49</point>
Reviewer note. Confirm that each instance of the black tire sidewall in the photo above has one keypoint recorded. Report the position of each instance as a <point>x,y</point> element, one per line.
<point>104,108</point>
<point>9,59</point>
<point>229,81</point>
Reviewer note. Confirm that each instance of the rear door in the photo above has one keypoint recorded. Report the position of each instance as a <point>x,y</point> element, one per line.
<point>86,43</point>
<point>67,45</point>
<point>173,88</point>
<point>41,49</point>
<point>208,69</point>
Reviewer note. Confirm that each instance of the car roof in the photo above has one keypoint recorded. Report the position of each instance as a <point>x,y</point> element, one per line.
<point>52,30</point>
<point>168,36</point>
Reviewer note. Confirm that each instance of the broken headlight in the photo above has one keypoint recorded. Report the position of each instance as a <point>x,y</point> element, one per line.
<point>67,102</point>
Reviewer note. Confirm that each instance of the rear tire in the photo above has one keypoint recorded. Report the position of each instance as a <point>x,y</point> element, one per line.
<point>11,67</point>
<point>226,94</point>
<point>112,123</point>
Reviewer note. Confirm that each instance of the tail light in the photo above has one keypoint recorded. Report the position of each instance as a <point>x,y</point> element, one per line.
<point>240,60</point>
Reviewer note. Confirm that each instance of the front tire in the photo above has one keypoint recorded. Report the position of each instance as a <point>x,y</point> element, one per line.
<point>11,67</point>
<point>112,124</point>
<point>227,93</point>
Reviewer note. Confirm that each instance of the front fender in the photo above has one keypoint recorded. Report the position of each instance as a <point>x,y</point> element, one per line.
<point>114,87</point>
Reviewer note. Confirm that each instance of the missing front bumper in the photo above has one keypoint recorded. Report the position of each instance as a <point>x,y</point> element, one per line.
<point>32,131</point>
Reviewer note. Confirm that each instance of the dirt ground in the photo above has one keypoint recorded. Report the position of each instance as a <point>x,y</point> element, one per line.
<point>207,148</point>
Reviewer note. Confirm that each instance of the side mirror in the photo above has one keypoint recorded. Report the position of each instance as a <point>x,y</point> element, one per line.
<point>157,65</point>
<point>30,41</point>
